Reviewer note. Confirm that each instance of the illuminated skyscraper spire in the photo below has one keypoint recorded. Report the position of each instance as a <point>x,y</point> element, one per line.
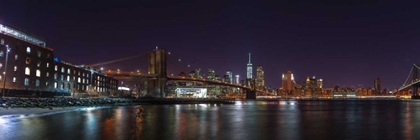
<point>249,68</point>
<point>249,62</point>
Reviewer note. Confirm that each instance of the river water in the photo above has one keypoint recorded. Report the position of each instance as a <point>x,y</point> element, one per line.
<point>348,119</point>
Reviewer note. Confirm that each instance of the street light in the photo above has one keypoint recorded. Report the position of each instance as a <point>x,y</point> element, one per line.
<point>5,68</point>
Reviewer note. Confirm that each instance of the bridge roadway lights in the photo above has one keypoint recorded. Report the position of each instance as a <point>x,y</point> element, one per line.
<point>251,94</point>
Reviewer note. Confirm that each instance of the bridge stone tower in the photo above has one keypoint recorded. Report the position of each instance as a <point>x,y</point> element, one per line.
<point>251,93</point>
<point>157,66</point>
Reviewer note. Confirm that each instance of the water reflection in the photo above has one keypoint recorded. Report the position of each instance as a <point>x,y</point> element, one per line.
<point>243,120</point>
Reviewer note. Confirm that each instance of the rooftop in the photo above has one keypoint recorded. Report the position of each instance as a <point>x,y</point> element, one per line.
<point>19,34</point>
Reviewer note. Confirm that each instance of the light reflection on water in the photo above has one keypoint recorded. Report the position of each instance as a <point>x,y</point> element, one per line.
<point>357,119</point>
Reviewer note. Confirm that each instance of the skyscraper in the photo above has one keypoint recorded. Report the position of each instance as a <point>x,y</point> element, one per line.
<point>229,73</point>
<point>211,74</point>
<point>237,79</point>
<point>377,85</point>
<point>197,73</point>
<point>260,77</point>
<point>249,68</point>
<point>226,78</point>
<point>319,83</point>
<point>288,81</point>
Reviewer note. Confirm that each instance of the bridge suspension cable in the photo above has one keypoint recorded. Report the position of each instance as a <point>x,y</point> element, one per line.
<point>118,60</point>
<point>409,76</point>
<point>179,61</point>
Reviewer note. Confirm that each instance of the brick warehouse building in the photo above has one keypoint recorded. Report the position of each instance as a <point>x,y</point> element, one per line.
<point>32,69</point>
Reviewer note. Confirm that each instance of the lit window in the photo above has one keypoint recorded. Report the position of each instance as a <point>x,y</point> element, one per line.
<point>68,71</point>
<point>16,56</point>
<point>68,78</point>
<point>48,64</point>
<point>78,73</point>
<point>39,54</point>
<point>14,79</point>
<point>28,50</point>
<point>83,81</point>
<point>55,84</point>
<point>55,76</point>
<point>78,80</point>
<point>27,71</point>
<point>87,81</point>
<point>62,69</point>
<point>1,53</point>
<point>1,77</point>
<point>38,73</point>
<point>46,84</point>
<point>47,74</point>
<point>48,55</point>
<point>55,67</point>
<point>83,74</point>
<point>37,83</point>
<point>74,78</point>
<point>38,64</point>
<point>62,77</point>
<point>62,85</point>
<point>15,68</point>
<point>87,75</point>
<point>26,81</point>
<point>1,65</point>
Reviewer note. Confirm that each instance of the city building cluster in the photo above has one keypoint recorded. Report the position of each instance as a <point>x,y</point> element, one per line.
<point>313,88</point>
<point>30,68</point>
<point>194,89</point>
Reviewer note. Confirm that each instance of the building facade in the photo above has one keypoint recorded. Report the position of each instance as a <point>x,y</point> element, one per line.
<point>249,68</point>
<point>211,74</point>
<point>288,81</point>
<point>237,81</point>
<point>260,78</point>
<point>377,85</point>
<point>32,68</point>
<point>230,76</point>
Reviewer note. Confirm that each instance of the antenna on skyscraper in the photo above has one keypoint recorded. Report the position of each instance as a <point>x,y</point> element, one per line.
<point>249,58</point>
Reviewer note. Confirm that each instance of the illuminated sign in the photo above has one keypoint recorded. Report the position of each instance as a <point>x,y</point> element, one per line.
<point>56,59</point>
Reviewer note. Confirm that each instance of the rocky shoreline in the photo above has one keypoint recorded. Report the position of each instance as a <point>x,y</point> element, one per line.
<point>9,106</point>
<point>50,103</point>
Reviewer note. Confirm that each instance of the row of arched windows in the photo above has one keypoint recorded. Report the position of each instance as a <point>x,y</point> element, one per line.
<point>37,73</point>
<point>26,82</point>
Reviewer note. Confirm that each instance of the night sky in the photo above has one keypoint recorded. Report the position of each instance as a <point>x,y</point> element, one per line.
<point>347,43</point>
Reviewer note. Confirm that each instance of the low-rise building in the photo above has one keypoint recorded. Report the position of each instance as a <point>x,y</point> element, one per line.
<point>29,68</point>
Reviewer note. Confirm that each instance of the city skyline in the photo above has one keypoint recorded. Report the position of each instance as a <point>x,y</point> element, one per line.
<point>345,44</point>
